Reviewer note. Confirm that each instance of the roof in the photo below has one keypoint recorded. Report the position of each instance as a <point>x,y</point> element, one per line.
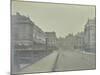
<point>50,34</point>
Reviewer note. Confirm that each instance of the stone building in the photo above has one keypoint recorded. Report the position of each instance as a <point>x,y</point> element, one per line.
<point>28,42</point>
<point>21,40</point>
<point>79,40</point>
<point>66,43</point>
<point>38,35</point>
<point>22,32</point>
<point>90,35</point>
<point>25,34</point>
<point>39,39</point>
<point>69,42</point>
<point>51,39</point>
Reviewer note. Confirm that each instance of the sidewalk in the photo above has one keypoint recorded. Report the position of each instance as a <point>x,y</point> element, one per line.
<point>44,65</point>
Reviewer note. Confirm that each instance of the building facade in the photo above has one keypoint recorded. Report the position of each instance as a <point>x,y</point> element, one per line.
<point>38,35</point>
<point>25,34</point>
<point>51,39</point>
<point>90,35</point>
<point>28,42</point>
<point>21,40</point>
<point>79,41</point>
<point>22,32</point>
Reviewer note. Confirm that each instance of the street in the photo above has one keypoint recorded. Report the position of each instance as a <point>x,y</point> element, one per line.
<point>75,60</point>
<point>64,60</point>
<point>46,64</point>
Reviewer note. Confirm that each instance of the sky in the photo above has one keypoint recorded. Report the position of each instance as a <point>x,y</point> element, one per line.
<point>52,17</point>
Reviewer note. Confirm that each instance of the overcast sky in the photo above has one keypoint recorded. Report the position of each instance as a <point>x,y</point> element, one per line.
<point>61,18</point>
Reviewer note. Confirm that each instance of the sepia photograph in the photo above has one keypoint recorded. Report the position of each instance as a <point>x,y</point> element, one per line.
<point>52,37</point>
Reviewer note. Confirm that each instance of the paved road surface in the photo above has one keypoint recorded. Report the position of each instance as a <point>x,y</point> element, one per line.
<point>75,60</point>
<point>63,61</point>
<point>44,65</point>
